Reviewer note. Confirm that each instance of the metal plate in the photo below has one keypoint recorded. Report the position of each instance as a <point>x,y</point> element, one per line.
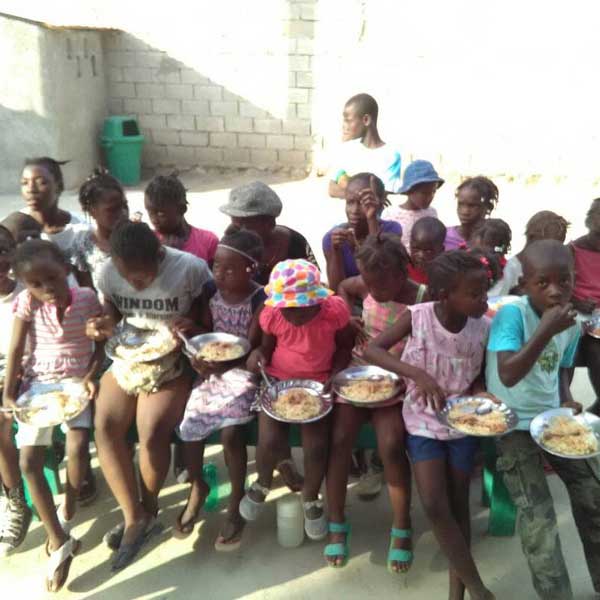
<point>124,336</point>
<point>511,417</point>
<point>365,372</point>
<point>592,327</point>
<point>495,303</point>
<point>44,414</point>
<point>313,387</point>
<point>539,423</point>
<point>199,341</point>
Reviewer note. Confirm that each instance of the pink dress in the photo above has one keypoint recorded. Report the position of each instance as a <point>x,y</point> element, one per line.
<point>454,360</point>
<point>407,218</point>
<point>305,352</point>
<point>587,273</point>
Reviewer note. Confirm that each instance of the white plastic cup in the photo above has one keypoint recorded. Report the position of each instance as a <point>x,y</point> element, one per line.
<point>290,521</point>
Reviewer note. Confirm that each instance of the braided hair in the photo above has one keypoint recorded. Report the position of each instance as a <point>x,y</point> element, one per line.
<point>166,189</point>
<point>94,187</point>
<point>446,270</point>
<point>486,188</point>
<point>384,252</point>
<point>52,166</point>
<point>546,225</point>
<point>494,234</point>
<point>134,243</point>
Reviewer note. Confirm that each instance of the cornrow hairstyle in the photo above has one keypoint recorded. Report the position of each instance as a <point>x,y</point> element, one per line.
<point>495,234</point>
<point>245,241</point>
<point>490,262</point>
<point>384,252</point>
<point>28,251</point>
<point>446,270</point>
<point>166,189</point>
<point>365,105</point>
<point>546,225</point>
<point>134,243</point>
<point>99,182</point>
<point>432,226</point>
<point>364,179</point>
<point>486,188</point>
<point>592,219</point>
<point>7,241</point>
<point>52,166</point>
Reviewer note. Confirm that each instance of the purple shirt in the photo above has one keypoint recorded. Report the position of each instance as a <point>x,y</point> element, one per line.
<point>453,239</point>
<point>350,267</point>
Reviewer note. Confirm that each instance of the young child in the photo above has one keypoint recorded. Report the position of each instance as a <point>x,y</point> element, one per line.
<point>103,199</point>
<point>166,204</point>
<point>221,400</point>
<point>386,292</point>
<point>15,515</point>
<point>362,149</point>
<point>476,198</point>
<point>52,317</point>
<point>532,345</point>
<point>22,227</point>
<point>494,237</point>
<point>544,225</point>
<point>148,281</point>
<point>420,184</point>
<point>442,358</point>
<point>365,196</point>
<point>586,294</point>
<point>426,242</point>
<point>306,335</point>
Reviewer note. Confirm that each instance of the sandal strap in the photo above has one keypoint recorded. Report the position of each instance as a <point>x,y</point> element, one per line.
<point>338,549</point>
<point>338,527</point>
<point>400,555</point>
<point>401,533</point>
<point>58,557</point>
<point>256,487</point>
<point>318,503</point>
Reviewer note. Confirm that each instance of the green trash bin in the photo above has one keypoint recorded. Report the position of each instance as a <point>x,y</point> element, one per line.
<point>122,145</point>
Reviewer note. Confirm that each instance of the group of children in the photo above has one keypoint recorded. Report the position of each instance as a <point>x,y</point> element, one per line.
<point>405,293</point>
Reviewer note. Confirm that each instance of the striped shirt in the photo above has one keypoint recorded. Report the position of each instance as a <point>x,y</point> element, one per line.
<point>58,349</point>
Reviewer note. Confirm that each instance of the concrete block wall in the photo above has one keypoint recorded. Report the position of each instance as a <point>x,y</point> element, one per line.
<point>189,119</point>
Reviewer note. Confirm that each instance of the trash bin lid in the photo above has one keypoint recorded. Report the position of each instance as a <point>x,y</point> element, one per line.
<point>120,126</point>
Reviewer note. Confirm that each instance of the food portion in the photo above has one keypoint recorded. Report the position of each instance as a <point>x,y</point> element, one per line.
<point>51,407</point>
<point>464,418</point>
<point>594,331</point>
<point>297,404</point>
<point>373,389</point>
<point>157,343</point>
<point>566,435</point>
<point>220,351</point>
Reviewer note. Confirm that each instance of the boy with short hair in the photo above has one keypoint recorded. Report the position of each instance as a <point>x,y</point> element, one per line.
<point>532,345</point>
<point>363,150</point>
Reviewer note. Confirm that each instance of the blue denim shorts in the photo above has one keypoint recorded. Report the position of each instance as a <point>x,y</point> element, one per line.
<point>459,453</point>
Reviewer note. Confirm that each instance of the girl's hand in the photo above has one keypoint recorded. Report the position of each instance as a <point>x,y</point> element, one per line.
<point>183,325</point>
<point>358,326</point>
<point>488,396</point>
<point>256,356</point>
<point>431,391</point>
<point>587,306</point>
<point>207,368</point>
<point>91,387</point>
<point>341,236</point>
<point>576,406</point>
<point>99,328</point>
<point>369,201</point>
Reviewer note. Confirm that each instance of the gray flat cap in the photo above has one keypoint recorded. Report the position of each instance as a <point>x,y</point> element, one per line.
<point>254,199</point>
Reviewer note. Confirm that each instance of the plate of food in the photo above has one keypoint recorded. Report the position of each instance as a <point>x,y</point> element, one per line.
<point>366,385</point>
<point>49,404</point>
<point>563,433</point>
<point>592,327</point>
<point>478,416</point>
<point>495,303</point>
<point>140,345</point>
<point>219,347</point>
<point>296,401</point>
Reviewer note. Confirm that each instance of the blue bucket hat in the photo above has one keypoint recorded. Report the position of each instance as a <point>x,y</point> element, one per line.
<point>419,171</point>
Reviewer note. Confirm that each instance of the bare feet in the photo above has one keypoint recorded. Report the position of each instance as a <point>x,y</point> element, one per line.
<point>187,518</point>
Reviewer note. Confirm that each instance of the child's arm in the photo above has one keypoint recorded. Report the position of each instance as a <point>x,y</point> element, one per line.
<point>513,366</point>
<point>376,353</point>
<point>13,363</point>
<point>334,256</point>
<point>564,390</point>
<point>262,354</point>
<point>89,381</point>
<point>352,289</point>
<point>344,342</point>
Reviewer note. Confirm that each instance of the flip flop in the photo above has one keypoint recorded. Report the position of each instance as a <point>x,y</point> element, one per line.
<point>66,525</point>
<point>399,554</point>
<point>127,552</point>
<point>63,556</point>
<point>185,529</point>
<point>233,541</point>
<point>339,548</point>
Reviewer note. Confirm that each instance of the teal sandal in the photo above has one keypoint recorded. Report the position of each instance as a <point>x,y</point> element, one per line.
<point>399,554</point>
<point>339,548</point>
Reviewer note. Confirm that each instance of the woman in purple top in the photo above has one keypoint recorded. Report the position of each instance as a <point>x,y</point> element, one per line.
<point>365,196</point>
<point>476,198</point>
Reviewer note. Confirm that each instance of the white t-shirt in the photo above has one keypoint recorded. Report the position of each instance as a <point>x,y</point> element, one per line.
<point>513,271</point>
<point>180,280</point>
<point>354,157</point>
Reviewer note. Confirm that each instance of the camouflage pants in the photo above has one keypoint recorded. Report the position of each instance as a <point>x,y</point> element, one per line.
<point>520,462</point>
